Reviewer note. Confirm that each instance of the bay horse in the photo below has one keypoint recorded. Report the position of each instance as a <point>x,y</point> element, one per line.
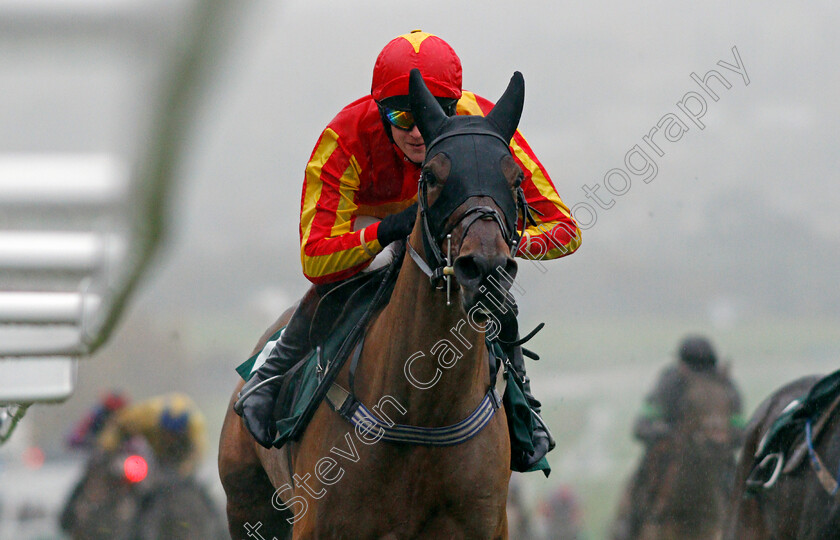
<point>797,505</point>
<point>335,483</point>
<point>680,490</point>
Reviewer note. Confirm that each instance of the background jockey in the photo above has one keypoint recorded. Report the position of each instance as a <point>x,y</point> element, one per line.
<point>661,406</point>
<point>172,424</point>
<point>661,412</point>
<point>359,196</point>
<point>85,432</point>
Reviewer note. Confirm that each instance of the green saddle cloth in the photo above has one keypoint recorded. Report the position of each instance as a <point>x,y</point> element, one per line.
<point>301,383</point>
<point>303,377</point>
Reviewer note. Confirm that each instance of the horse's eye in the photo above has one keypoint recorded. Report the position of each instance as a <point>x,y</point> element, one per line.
<point>430,178</point>
<point>517,182</point>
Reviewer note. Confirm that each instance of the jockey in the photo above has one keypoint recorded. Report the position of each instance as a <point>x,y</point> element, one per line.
<point>85,432</point>
<point>661,406</point>
<point>657,422</point>
<point>172,424</point>
<point>360,193</point>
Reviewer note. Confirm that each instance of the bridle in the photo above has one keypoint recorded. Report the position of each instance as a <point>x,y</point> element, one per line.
<point>439,266</point>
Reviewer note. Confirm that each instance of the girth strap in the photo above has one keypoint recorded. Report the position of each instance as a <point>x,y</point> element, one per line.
<point>443,436</point>
<point>354,411</point>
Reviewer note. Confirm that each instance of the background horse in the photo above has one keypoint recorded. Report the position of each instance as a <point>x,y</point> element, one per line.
<point>334,483</point>
<point>163,506</point>
<point>101,505</point>
<point>797,506</point>
<point>680,489</point>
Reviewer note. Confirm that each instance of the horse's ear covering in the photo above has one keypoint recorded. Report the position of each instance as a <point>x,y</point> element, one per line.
<point>505,115</point>
<point>426,110</point>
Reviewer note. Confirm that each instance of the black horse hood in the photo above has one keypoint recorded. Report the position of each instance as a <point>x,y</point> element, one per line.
<point>480,144</point>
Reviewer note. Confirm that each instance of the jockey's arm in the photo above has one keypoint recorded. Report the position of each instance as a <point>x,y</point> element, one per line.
<point>331,250</point>
<point>650,425</point>
<point>556,233</point>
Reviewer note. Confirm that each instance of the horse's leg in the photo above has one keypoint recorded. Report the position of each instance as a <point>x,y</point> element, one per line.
<point>624,525</point>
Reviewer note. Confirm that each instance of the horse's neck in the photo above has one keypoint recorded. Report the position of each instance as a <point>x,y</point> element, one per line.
<point>410,349</point>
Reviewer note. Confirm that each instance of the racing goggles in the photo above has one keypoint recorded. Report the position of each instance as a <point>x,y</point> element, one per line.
<point>401,118</point>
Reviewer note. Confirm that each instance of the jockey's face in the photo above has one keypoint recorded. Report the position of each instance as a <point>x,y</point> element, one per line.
<point>410,142</point>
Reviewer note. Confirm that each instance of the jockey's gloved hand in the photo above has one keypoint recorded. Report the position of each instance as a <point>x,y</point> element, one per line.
<point>397,226</point>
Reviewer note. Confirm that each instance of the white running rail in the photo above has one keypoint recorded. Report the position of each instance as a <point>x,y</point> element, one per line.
<point>77,230</point>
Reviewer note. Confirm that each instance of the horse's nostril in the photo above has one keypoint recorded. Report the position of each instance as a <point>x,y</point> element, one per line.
<point>511,267</point>
<point>472,270</point>
<point>467,270</point>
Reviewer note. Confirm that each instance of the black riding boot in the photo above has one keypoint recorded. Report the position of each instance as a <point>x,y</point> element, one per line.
<point>542,440</point>
<point>259,395</point>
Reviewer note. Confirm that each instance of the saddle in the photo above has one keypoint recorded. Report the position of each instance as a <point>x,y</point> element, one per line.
<point>793,433</point>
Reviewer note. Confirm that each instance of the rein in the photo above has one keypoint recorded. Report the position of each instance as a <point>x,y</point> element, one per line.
<point>830,484</point>
<point>371,426</point>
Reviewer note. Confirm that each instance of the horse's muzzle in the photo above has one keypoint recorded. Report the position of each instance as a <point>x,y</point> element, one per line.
<point>485,278</point>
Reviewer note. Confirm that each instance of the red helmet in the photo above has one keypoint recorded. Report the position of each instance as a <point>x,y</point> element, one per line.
<point>440,66</point>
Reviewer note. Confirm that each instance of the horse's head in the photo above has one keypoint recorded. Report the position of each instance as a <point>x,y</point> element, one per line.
<point>470,194</point>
